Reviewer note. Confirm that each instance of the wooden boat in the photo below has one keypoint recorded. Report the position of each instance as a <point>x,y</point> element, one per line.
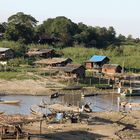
<point>41,106</point>
<point>87,108</point>
<point>89,94</point>
<point>63,108</point>
<point>127,104</point>
<point>72,88</point>
<point>44,102</point>
<point>131,92</point>
<point>34,112</point>
<point>54,95</point>
<point>14,102</point>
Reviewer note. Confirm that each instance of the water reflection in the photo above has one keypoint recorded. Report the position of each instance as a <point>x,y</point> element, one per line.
<point>98,103</point>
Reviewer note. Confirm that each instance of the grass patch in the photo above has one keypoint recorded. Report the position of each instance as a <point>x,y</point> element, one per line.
<point>127,55</point>
<point>16,75</point>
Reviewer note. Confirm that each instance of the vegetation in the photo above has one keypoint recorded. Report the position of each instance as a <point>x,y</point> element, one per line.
<point>125,55</point>
<point>60,32</point>
<point>16,75</point>
<point>77,41</point>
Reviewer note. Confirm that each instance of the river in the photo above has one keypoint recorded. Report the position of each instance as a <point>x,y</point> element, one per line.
<point>98,103</point>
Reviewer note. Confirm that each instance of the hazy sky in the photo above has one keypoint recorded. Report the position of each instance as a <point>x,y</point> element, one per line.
<point>123,15</point>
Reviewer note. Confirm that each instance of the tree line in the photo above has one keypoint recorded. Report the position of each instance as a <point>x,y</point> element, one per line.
<point>59,32</point>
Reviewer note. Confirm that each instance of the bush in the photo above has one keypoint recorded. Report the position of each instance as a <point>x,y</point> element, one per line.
<point>17,62</point>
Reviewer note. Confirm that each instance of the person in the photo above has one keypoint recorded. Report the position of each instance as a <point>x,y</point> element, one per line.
<point>123,107</point>
<point>130,106</point>
<point>119,103</point>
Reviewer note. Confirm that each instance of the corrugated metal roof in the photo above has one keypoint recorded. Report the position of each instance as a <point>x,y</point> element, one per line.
<point>97,58</point>
<point>4,49</point>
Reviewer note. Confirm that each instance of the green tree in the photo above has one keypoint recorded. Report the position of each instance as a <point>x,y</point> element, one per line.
<point>20,27</point>
<point>61,28</point>
<point>121,38</point>
<point>2,27</point>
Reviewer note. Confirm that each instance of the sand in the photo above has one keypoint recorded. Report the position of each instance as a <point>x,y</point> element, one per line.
<point>99,126</point>
<point>29,87</point>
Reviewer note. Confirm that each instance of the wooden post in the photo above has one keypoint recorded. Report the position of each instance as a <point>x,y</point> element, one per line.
<point>40,127</point>
<point>1,132</point>
<point>17,135</point>
<point>90,81</point>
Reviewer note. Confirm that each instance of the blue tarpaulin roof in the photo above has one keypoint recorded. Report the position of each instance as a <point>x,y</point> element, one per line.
<point>97,58</point>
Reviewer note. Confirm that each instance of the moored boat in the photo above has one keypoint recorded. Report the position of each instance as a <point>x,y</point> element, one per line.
<point>54,95</point>
<point>34,111</point>
<point>89,94</point>
<point>131,92</point>
<point>9,101</point>
<point>72,88</point>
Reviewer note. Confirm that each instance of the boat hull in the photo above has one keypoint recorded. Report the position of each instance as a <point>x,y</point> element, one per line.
<point>89,95</point>
<point>9,102</point>
<point>133,94</point>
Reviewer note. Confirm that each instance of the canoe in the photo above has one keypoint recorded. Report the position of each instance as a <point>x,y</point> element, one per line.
<point>34,112</point>
<point>89,94</point>
<point>72,88</point>
<point>54,95</point>
<point>9,101</point>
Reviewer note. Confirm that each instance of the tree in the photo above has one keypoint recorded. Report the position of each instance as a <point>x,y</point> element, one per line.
<point>2,27</point>
<point>111,34</point>
<point>60,28</point>
<point>121,38</point>
<point>20,27</point>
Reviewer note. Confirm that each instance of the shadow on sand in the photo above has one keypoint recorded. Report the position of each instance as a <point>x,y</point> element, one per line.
<point>69,135</point>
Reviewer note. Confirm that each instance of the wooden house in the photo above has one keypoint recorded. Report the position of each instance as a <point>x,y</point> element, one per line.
<point>43,39</point>
<point>54,62</point>
<point>44,53</point>
<point>96,62</point>
<point>1,35</point>
<point>6,53</point>
<point>73,71</point>
<point>111,69</point>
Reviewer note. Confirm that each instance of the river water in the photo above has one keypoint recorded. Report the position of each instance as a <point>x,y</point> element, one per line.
<point>97,103</point>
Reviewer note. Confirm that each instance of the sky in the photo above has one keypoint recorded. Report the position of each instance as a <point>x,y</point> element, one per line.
<point>123,15</point>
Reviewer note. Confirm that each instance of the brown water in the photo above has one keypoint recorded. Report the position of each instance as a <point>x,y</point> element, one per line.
<point>98,103</point>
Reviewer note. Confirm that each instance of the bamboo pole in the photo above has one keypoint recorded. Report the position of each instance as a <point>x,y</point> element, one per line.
<point>40,127</point>
<point>17,135</point>
<point>1,132</point>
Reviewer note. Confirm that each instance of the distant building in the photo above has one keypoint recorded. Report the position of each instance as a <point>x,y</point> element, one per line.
<point>1,35</point>
<point>111,69</point>
<point>6,53</point>
<point>73,71</point>
<point>43,53</point>
<point>96,62</point>
<point>54,62</point>
<point>43,39</point>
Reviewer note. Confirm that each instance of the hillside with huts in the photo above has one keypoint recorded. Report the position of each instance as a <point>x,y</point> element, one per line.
<point>66,53</point>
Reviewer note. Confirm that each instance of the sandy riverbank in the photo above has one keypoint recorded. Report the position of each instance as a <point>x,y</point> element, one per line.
<point>26,87</point>
<point>100,126</point>
<point>36,87</point>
